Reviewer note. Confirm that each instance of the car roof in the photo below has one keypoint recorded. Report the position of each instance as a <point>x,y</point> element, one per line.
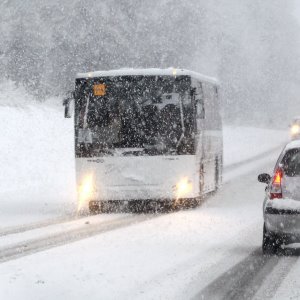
<point>148,72</point>
<point>292,145</point>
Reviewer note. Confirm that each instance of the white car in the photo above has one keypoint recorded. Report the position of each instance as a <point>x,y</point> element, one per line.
<point>281,208</point>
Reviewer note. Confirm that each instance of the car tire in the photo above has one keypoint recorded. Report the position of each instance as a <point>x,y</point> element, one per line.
<point>271,242</point>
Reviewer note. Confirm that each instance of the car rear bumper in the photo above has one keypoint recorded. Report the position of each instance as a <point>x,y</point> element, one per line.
<point>283,221</point>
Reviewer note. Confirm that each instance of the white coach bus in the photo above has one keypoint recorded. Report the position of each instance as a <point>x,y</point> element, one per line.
<point>146,134</point>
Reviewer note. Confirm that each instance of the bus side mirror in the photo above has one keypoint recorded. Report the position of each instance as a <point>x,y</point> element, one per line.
<point>264,178</point>
<point>67,104</point>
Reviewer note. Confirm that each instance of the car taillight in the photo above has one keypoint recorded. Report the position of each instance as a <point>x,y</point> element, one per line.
<point>276,190</point>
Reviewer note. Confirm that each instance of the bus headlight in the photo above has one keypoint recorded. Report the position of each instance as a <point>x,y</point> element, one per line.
<point>183,187</point>
<point>295,129</point>
<point>85,191</point>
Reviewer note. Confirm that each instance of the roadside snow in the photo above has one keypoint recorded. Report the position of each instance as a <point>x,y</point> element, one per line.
<point>37,178</point>
<point>243,143</point>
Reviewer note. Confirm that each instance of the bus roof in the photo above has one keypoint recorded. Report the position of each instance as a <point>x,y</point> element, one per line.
<point>148,72</point>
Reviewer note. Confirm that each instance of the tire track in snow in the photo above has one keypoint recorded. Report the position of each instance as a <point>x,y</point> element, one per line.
<point>193,271</point>
<point>244,279</point>
<point>271,284</point>
<point>239,281</point>
<point>37,225</point>
<point>50,241</point>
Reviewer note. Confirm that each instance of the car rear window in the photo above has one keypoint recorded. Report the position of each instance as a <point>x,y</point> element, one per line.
<point>291,162</point>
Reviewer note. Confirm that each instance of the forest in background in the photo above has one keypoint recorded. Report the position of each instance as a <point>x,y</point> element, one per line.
<point>251,46</point>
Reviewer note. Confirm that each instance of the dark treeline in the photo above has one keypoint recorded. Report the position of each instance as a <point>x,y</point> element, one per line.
<point>252,46</point>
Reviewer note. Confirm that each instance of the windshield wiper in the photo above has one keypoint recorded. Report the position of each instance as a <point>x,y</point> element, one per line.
<point>105,151</point>
<point>133,152</point>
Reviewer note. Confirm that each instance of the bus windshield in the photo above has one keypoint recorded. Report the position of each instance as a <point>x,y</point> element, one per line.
<point>134,115</point>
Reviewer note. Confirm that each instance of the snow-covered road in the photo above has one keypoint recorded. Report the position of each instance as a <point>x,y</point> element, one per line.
<point>211,252</point>
<point>208,252</point>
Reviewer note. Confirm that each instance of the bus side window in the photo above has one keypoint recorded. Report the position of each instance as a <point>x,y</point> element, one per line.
<point>200,110</point>
<point>211,106</point>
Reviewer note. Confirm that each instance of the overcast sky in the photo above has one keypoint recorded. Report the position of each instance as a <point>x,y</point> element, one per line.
<point>297,9</point>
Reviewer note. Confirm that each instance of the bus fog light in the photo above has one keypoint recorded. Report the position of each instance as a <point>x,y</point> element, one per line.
<point>85,191</point>
<point>183,187</point>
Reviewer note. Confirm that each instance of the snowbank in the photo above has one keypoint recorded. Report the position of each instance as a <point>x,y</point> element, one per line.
<point>11,95</point>
<point>36,159</point>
